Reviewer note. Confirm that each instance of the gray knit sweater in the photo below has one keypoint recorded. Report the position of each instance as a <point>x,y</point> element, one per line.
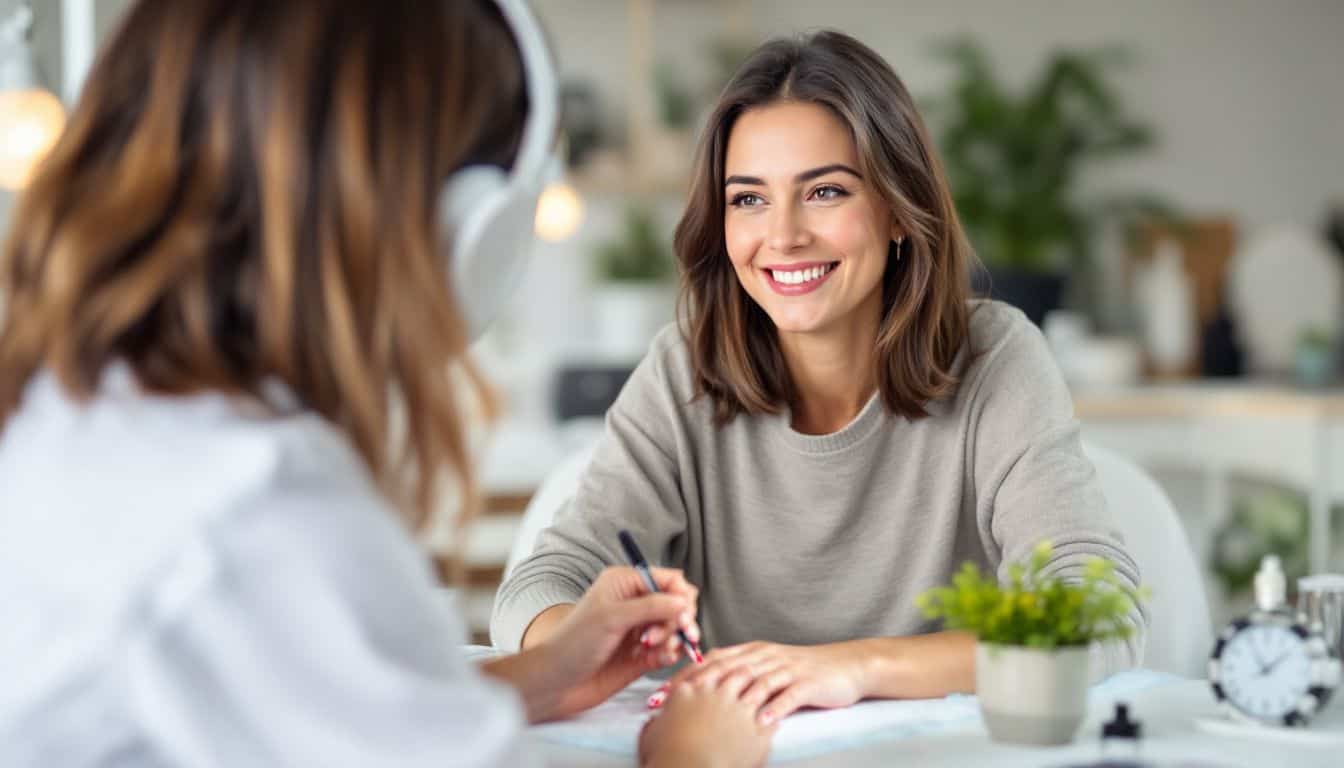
<point>807,539</point>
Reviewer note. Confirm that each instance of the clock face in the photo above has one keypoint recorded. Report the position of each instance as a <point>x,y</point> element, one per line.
<point>1266,671</point>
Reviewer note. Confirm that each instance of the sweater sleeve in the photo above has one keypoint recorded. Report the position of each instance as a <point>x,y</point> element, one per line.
<point>633,483</point>
<point>1033,482</point>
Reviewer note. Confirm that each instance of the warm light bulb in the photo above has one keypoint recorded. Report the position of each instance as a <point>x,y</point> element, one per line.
<point>559,212</point>
<point>30,123</point>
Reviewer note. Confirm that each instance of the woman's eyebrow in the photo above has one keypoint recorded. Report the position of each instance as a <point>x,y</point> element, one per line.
<point>807,175</point>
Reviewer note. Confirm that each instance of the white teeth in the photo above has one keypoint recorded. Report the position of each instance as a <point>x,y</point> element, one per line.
<point>799,275</point>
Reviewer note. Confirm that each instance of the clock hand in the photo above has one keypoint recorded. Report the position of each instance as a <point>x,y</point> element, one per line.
<point>1270,667</point>
<point>1259,662</point>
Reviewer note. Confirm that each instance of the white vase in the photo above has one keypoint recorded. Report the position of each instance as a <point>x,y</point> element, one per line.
<point>1031,695</point>
<point>626,316</point>
<point>1167,300</point>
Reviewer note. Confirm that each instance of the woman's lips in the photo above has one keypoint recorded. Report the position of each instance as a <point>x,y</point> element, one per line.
<point>797,279</point>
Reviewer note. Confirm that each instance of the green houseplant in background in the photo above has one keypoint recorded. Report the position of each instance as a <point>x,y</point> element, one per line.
<point>664,155</point>
<point>1033,635</point>
<point>632,292</point>
<point>1314,358</point>
<point>1270,521</point>
<point>1015,160</point>
<point>640,254</point>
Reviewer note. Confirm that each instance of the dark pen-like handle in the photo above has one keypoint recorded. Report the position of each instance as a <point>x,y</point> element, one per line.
<point>642,566</point>
<point>632,549</point>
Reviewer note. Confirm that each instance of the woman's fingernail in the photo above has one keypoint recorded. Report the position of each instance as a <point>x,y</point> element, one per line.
<point>685,618</point>
<point>644,638</point>
<point>657,699</point>
<point>767,718</point>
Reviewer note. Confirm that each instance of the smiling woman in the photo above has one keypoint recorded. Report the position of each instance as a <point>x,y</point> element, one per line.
<point>817,162</point>
<point>810,241</point>
<point>834,426</point>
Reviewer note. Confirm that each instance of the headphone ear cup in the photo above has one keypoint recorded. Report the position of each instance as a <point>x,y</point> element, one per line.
<point>487,225</point>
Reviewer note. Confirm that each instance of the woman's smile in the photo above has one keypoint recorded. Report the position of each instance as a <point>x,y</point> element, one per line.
<point>798,279</point>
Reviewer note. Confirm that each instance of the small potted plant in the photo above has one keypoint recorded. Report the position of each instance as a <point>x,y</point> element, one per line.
<point>1314,359</point>
<point>665,145</point>
<point>1034,634</point>
<point>633,295</point>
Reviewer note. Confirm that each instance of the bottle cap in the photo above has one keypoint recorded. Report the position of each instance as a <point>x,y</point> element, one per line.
<point>1121,727</point>
<point>1271,587</point>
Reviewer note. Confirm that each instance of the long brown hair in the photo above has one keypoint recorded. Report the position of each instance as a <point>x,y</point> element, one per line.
<point>247,190</point>
<point>734,347</point>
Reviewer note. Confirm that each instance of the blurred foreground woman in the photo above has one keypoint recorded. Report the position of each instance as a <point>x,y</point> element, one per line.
<point>271,226</point>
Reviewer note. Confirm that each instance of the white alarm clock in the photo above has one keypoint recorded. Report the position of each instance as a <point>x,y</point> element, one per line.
<point>1267,667</point>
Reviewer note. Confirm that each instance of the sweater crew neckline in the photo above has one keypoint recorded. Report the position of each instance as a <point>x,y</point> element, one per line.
<point>852,434</point>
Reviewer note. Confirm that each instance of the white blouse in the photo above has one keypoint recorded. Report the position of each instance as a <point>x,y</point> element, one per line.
<point>193,581</point>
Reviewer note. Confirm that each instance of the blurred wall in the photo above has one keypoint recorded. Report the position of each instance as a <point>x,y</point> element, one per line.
<point>1246,96</point>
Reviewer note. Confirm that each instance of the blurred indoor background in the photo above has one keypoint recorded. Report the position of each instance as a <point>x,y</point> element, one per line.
<point>1159,184</point>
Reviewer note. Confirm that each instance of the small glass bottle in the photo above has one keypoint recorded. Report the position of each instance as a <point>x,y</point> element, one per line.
<point>1271,589</point>
<point>1120,740</point>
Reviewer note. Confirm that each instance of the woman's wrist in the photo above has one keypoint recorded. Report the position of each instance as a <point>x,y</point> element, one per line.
<point>532,673</point>
<point>917,666</point>
<point>867,659</point>
<point>544,625</point>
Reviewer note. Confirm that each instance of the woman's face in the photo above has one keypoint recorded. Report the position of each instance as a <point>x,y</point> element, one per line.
<point>806,233</point>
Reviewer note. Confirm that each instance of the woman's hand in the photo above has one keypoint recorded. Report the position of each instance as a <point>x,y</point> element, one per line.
<point>616,633</point>
<point>787,677</point>
<point>707,723</point>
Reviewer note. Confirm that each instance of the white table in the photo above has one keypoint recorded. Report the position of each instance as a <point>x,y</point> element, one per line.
<point>1170,738</point>
<point>1292,435</point>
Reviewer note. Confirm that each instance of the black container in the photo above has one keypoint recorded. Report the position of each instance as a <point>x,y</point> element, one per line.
<point>587,390</point>
<point>1035,293</point>
<point>1220,352</point>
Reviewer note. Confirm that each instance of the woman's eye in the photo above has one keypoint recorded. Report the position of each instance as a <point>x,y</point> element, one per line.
<point>829,192</point>
<point>746,200</point>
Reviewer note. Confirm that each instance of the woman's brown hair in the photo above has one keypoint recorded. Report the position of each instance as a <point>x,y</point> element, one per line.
<point>247,190</point>
<point>734,348</point>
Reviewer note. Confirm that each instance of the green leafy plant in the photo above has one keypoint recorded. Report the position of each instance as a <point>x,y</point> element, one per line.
<point>725,55</point>
<point>1314,337</point>
<point>639,254</point>
<point>1270,521</point>
<point>1014,159</point>
<point>1034,609</point>
<point>673,96</point>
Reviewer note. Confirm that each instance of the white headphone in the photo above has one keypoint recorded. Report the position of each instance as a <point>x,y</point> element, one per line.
<point>486,214</point>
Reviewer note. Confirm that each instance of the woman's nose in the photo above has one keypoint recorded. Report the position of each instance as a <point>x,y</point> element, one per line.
<point>788,231</point>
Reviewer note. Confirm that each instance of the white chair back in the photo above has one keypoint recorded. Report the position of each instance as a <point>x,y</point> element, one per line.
<point>1180,634</point>
<point>555,491</point>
